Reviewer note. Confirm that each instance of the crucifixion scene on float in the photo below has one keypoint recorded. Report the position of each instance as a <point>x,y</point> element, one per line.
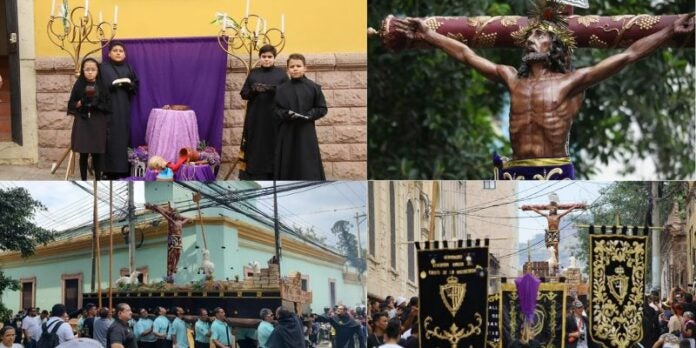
<point>530,264</point>
<point>224,264</point>
<point>533,89</point>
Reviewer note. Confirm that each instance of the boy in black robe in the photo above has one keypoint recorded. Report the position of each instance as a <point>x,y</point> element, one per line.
<point>260,126</point>
<point>298,103</point>
<point>123,85</point>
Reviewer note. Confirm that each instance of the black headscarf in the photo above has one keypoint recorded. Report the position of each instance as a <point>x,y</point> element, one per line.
<point>102,102</point>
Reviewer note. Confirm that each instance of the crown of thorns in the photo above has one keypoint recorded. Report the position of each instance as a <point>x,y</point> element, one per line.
<point>547,15</point>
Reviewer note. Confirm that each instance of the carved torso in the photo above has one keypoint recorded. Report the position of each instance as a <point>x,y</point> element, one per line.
<point>541,116</point>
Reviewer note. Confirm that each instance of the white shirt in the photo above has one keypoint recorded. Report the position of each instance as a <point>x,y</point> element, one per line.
<point>390,345</point>
<point>14,345</point>
<point>64,332</point>
<point>33,327</point>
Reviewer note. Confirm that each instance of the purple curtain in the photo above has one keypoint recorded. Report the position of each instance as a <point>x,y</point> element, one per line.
<point>189,71</point>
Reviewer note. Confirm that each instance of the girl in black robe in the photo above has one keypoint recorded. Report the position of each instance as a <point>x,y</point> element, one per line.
<point>90,105</point>
<point>123,84</point>
<point>298,103</point>
<point>260,125</point>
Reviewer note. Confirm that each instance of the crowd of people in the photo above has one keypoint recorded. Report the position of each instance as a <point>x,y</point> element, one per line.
<point>393,323</point>
<point>160,328</point>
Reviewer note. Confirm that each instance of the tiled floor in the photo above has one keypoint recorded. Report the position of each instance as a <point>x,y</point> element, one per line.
<point>5,130</point>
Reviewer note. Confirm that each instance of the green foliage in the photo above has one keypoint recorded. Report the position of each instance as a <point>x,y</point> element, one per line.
<point>348,244</point>
<point>432,117</point>
<point>18,232</point>
<point>630,200</point>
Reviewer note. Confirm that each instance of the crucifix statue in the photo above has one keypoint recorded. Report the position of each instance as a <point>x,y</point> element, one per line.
<point>546,91</point>
<point>553,232</point>
<point>175,227</point>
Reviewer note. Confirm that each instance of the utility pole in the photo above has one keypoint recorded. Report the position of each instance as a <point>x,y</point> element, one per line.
<point>131,229</point>
<point>276,225</point>
<point>655,221</point>
<point>357,226</point>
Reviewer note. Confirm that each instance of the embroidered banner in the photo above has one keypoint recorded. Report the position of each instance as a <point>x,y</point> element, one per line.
<point>549,319</point>
<point>453,295</point>
<point>493,338</point>
<point>617,282</point>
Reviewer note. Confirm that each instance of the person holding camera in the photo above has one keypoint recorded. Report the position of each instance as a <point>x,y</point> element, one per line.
<point>576,327</point>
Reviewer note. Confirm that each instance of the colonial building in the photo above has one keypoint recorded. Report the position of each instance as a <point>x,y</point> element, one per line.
<point>690,229</point>
<point>401,212</point>
<point>673,245</point>
<point>61,271</point>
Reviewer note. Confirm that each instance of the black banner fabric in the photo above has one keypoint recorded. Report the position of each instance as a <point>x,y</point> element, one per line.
<point>493,338</point>
<point>453,296</point>
<point>549,319</point>
<point>617,269</point>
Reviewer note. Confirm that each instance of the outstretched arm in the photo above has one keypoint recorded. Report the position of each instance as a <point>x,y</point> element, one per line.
<point>539,212</point>
<point>587,77</point>
<point>416,29</point>
<point>567,211</point>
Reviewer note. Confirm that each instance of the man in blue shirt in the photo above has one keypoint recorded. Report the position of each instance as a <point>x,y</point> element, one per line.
<point>179,333</point>
<point>202,330</point>
<point>220,332</point>
<point>143,330</point>
<point>263,332</point>
<point>161,329</point>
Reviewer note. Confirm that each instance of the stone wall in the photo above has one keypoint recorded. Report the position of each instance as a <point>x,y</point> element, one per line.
<point>342,133</point>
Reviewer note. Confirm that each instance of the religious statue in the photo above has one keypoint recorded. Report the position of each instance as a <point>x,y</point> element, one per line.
<point>553,259</point>
<point>546,91</point>
<point>554,219</point>
<point>176,224</point>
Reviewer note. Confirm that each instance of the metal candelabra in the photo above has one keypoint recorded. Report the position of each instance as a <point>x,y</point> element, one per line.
<point>242,43</point>
<point>71,33</point>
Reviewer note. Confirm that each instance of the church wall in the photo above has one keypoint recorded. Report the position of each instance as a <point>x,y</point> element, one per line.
<point>311,26</point>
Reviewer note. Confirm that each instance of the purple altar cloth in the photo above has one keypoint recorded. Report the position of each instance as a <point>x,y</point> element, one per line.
<point>187,172</point>
<point>170,130</point>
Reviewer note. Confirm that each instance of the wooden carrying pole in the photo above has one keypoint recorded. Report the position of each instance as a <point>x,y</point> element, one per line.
<point>98,246</point>
<point>111,242</point>
<point>197,199</point>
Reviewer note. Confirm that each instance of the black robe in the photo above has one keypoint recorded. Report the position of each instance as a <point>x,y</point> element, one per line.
<point>287,334</point>
<point>118,135</point>
<point>297,150</point>
<point>260,124</point>
<point>348,331</point>
<point>89,127</point>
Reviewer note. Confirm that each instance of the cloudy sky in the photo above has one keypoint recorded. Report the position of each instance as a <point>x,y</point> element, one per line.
<point>319,207</point>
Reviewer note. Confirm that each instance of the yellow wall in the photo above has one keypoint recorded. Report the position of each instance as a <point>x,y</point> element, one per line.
<point>311,26</point>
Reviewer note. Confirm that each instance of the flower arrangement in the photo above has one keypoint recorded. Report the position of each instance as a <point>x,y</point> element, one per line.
<point>208,153</point>
<point>139,154</point>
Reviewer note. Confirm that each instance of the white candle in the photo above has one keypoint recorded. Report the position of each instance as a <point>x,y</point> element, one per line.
<point>86,7</point>
<point>282,22</point>
<point>53,7</point>
<point>258,26</point>
<point>100,17</point>
<point>224,21</point>
<point>247,9</point>
<point>115,14</point>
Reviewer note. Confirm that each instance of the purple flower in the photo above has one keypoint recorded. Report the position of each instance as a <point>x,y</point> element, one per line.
<point>210,154</point>
<point>139,154</point>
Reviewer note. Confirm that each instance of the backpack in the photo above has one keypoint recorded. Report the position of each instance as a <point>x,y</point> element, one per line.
<point>49,339</point>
